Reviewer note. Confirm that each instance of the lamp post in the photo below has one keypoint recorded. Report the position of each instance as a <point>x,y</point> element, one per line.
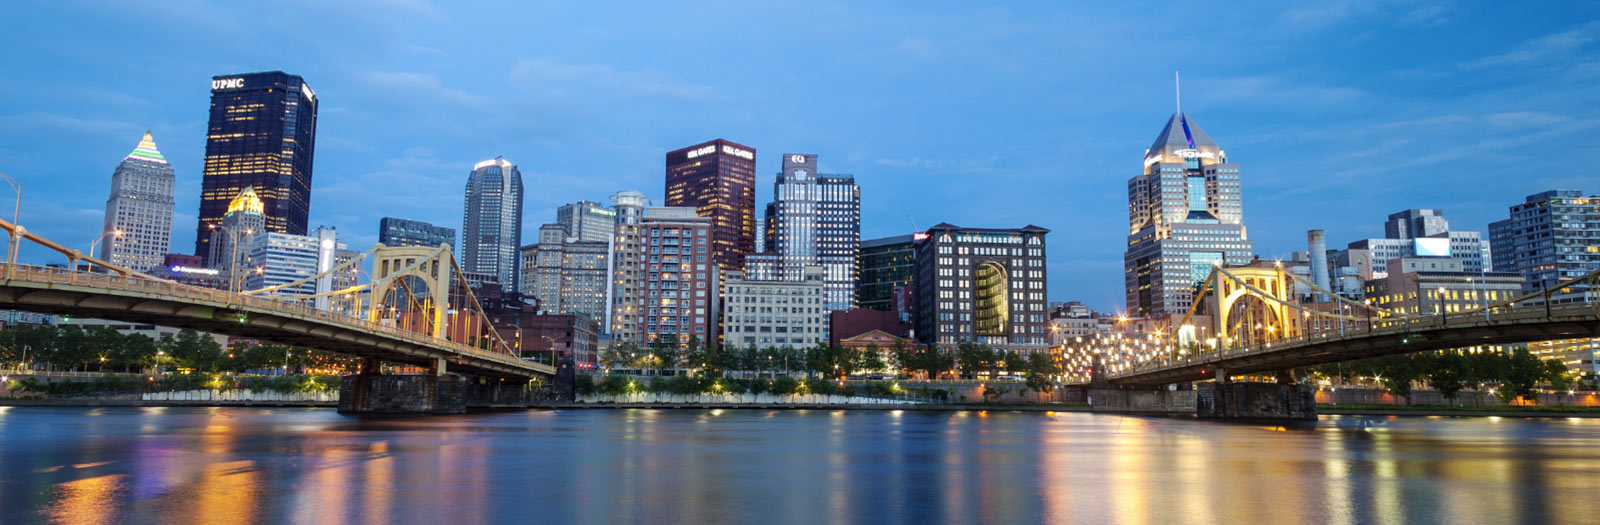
<point>233,259</point>
<point>116,233</point>
<point>1440,300</point>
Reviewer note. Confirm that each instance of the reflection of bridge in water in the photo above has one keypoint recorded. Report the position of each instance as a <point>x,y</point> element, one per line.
<point>373,332</point>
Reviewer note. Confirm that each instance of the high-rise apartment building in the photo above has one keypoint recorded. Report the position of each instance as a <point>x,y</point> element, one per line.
<point>982,285</point>
<point>243,221</point>
<point>140,208</point>
<point>1550,237</point>
<point>491,226</point>
<point>718,180</point>
<point>262,133</point>
<point>1185,216</point>
<point>588,221</point>
<point>814,219</point>
<point>566,275</point>
<point>625,320</point>
<point>405,232</point>
<point>886,265</point>
<point>675,290</point>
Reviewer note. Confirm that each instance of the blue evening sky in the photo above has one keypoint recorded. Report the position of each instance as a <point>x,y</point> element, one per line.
<point>1338,112</point>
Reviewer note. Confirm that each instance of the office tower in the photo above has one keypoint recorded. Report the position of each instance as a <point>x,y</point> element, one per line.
<point>982,285</point>
<point>566,275</point>
<point>491,227</point>
<point>625,321</point>
<point>1412,233</point>
<point>404,232</point>
<point>1550,237</point>
<point>242,222</point>
<point>886,264</point>
<point>280,258</point>
<point>588,221</point>
<point>768,314</point>
<point>1184,217</point>
<point>262,133</point>
<point>718,180</point>
<point>674,289</point>
<point>814,219</point>
<point>140,207</point>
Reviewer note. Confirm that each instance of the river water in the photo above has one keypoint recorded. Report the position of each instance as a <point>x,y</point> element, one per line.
<point>222,465</point>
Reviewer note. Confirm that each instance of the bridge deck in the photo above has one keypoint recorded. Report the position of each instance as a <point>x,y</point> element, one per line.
<point>145,301</point>
<point>1388,337</point>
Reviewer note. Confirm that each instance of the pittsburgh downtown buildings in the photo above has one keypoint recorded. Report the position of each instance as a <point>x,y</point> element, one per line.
<point>138,221</point>
<point>262,134</point>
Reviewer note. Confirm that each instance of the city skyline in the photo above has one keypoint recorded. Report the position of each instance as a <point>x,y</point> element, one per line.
<point>1472,149</point>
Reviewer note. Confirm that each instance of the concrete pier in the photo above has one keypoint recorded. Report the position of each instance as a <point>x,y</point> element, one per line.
<point>402,394</point>
<point>1252,401</point>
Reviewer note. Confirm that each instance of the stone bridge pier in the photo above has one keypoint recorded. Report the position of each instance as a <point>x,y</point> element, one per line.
<point>435,392</point>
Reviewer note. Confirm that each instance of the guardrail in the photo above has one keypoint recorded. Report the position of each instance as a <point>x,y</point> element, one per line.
<point>1379,328</point>
<point>232,301</point>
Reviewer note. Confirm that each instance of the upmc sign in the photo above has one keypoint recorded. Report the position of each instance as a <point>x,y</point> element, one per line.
<point>227,83</point>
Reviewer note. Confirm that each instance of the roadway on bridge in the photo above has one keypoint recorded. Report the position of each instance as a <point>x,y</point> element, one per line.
<point>1522,324</point>
<point>145,301</point>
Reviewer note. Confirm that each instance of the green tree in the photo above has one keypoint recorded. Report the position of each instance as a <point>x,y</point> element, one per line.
<point>901,358</point>
<point>1446,371</point>
<point>664,353</point>
<point>71,350</point>
<point>869,359</point>
<point>972,357</point>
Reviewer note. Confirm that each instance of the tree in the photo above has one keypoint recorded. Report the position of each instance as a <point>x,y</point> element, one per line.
<point>972,357</point>
<point>71,349</point>
<point>702,357</point>
<point>869,359</point>
<point>901,357</point>
<point>1446,371</point>
<point>192,350</point>
<point>664,352</point>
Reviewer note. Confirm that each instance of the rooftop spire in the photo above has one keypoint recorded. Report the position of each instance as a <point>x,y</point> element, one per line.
<point>146,150</point>
<point>1177,91</point>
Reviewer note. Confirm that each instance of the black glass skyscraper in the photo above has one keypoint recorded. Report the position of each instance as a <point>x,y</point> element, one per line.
<point>262,133</point>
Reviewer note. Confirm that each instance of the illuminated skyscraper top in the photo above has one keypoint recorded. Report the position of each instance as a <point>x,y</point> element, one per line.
<point>140,207</point>
<point>718,180</point>
<point>491,224</point>
<point>1185,216</point>
<point>262,133</point>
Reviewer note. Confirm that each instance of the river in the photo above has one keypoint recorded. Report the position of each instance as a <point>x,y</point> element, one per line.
<point>224,465</point>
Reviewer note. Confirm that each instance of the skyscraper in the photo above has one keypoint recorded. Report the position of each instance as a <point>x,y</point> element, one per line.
<point>140,206</point>
<point>262,133</point>
<point>718,180</point>
<point>1184,217</point>
<point>588,221</point>
<point>886,264</point>
<point>566,274</point>
<point>242,222</point>
<point>814,219</point>
<point>404,232</point>
<point>1412,233</point>
<point>982,285</point>
<point>491,227</point>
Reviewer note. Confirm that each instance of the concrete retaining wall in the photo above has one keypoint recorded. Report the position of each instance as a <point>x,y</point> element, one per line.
<point>241,395</point>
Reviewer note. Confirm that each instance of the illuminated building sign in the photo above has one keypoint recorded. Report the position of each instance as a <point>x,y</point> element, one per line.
<point>196,271</point>
<point>312,95</point>
<point>919,236</point>
<point>702,151</point>
<point>1194,153</point>
<point>227,83</point>
<point>743,154</point>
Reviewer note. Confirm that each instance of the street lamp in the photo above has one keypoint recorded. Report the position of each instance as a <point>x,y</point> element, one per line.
<point>116,233</point>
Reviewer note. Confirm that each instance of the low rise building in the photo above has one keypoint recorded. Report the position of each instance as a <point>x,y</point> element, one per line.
<point>774,313</point>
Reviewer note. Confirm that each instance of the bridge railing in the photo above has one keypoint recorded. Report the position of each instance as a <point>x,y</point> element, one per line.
<point>169,289</point>
<point>1376,327</point>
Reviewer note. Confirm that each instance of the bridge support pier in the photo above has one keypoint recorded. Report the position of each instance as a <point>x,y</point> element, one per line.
<point>1255,401</point>
<point>402,394</point>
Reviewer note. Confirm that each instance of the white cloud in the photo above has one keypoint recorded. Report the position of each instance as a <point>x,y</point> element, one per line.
<point>1548,47</point>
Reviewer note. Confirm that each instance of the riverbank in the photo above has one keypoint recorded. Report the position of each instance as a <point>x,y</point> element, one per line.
<point>1445,410</point>
<point>159,403</point>
<point>95,403</point>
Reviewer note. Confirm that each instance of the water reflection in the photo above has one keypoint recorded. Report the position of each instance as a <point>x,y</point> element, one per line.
<point>237,465</point>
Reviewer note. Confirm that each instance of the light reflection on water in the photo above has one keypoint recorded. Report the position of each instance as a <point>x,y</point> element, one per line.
<point>180,465</point>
